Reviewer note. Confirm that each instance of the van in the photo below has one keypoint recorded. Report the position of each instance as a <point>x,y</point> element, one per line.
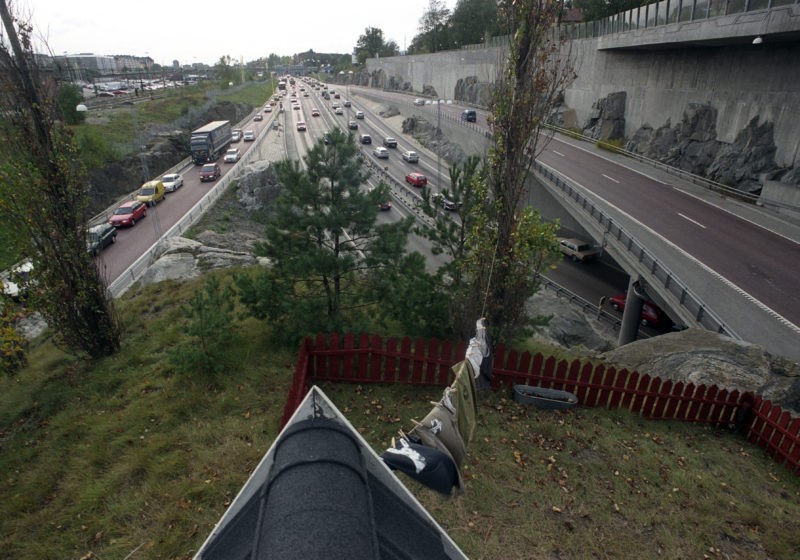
<point>151,192</point>
<point>469,115</point>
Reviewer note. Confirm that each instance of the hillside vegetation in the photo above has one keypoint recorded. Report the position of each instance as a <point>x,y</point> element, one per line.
<point>132,457</point>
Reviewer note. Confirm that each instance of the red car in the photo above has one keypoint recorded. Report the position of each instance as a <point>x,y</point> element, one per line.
<point>651,314</point>
<point>416,179</point>
<point>128,213</point>
<point>210,172</point>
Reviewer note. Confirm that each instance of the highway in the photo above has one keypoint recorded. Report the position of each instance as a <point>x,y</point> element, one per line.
<point>739,263</point>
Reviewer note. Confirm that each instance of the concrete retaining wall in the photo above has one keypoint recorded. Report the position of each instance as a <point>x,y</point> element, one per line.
<point>741,81</point>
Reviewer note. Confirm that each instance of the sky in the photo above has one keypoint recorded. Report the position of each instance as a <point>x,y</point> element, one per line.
<point>203,31</point>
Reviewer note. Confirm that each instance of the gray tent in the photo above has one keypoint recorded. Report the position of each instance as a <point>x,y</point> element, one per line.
<point>321,492</point>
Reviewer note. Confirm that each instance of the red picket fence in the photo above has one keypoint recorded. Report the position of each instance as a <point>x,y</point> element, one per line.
<point>371,359</point>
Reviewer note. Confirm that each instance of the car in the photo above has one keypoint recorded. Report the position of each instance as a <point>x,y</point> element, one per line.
<point>651,314</point>
<point>381,152</point>
<point>301,126</point>
<point>232,155</point>
<point>326,138</point>
<point>411,156</point>
<point>127,213</point>
<point>104,94</point>
<point>296,107</point>
<point>334,105</point>
<point>416,179</point>
<point>365,139</point>
<point>268,109</point>
<point>445,202</point>
<point>469,115</point>
<point>352,125</point>
<point>258,117</point>
<point>236,135</point>
<point>419,101</point>
<point>578,249</point>
<point>359,114</point>
<point>172,182</point>
<point>390,142</point>
<point>249,136</point>
<point>336,96</point>
<point>152,192</point>
<point>305,94</point>
<point>347,103</point>
<point>99,237</point>
<point>338,111</point>
<point>275,125</point>
<point>210,172</point>
<point>314,112</point>
<point>386,205</point>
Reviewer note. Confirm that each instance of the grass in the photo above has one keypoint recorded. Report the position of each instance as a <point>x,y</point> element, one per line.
<point>126,455</point>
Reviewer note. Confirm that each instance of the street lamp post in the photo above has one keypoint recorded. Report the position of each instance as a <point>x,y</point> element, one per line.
<point>438,143</point>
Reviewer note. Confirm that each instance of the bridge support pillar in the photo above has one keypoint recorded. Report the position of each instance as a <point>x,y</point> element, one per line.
<point>632,314</point>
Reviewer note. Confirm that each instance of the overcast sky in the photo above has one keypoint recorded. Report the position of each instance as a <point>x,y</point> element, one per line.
<point>203,31</point>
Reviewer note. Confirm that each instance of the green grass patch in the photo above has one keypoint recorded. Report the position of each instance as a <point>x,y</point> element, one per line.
<point>127,453</point>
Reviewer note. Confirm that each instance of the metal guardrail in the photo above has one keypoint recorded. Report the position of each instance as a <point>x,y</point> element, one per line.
<point>659,274</point>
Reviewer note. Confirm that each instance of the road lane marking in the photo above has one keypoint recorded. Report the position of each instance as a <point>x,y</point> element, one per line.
<point>558,153</point>
<point>610,178</point>
<point>691,220</point>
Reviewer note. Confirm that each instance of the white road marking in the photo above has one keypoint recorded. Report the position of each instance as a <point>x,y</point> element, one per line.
<point>691,220</point>
<point>610,178</point>
<point>558,153</point>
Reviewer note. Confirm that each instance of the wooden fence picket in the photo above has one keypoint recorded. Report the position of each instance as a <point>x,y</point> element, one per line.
<point>372,359</point>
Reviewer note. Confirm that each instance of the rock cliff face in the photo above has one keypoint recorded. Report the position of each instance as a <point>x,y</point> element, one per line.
<point>473,92</point>
<point>692,145</point>
<point>418,127</point>
<point>607,121</point>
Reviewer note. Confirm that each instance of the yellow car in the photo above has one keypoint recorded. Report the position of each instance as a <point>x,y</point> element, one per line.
<point>151,193</point>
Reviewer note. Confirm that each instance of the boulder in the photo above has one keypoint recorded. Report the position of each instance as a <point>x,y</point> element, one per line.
<point>607,121</point>
<point>703,357</point>
<point>751,153</point>
<point>569,326</point>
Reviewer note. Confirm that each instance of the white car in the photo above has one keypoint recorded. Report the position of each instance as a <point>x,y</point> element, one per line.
<point>338,111</point>
<point>381,152</point>
<point>359,114</point>
<point>411,156</point>
<point>419,101</point>
<point>232,155</point>
<point>249,136</point>
<point>172,182</point>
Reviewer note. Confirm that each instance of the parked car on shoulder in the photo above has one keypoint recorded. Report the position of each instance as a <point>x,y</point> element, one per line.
<point>578,249</point>
<point>416,179</point>
<point>172,181</point>
<point>210,172</point>
<point>651,314</point>
<point>99,237</point>
<point>232,155</point>
<point>411,156</point>
<point>127,213</point>
<point>152,192</point>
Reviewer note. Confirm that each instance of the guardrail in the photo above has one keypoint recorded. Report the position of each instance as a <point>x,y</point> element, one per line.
<point>658,273</point>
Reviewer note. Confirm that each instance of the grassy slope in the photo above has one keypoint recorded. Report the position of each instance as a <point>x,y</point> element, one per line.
<point>125,453</point>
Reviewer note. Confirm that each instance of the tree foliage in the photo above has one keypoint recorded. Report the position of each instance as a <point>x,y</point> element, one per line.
<point>434,31</point>
<point>372,43</point>
<point>473,21</point>
<point>43,189</point>
<point>68,98</point>
<point>510,245</point>
<point>325,245</point>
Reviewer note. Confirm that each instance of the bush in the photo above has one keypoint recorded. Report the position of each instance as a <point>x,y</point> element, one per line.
<point>615,145</point>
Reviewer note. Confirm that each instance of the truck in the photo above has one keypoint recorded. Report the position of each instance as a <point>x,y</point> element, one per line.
<point>210,141</point>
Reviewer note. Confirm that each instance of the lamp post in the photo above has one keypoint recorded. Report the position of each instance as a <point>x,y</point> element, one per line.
<point>438,143</point>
